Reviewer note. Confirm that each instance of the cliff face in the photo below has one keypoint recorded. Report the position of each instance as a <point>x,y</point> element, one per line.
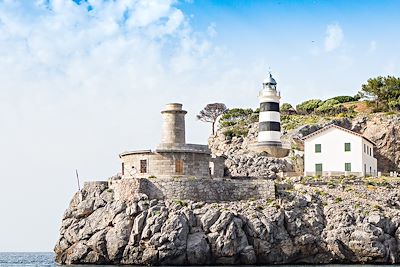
<point>310,222</point>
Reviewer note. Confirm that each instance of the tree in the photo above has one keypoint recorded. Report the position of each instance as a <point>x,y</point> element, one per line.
<point>236,116</point>
<point>383,91</point>
<point>211,113</point>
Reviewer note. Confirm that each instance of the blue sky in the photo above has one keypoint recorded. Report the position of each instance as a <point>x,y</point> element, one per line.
<point>80,83</point>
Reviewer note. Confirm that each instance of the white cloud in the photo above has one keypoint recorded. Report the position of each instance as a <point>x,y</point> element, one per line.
<point>79,85</point>
<point>372,46</point>
<point>211,29</point>
<point>334,37</point>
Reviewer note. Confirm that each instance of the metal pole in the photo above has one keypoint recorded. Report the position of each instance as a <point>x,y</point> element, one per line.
<point>77,178</point>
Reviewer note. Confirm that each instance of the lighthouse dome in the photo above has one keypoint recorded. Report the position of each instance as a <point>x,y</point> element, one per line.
<point>269,80</point>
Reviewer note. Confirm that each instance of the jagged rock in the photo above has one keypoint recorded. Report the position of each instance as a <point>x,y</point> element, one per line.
<point>209,218</point>
<point>198,250</point>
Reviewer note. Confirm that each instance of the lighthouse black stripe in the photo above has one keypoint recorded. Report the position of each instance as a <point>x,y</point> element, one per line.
<point>270,126</point>
<point>269,106</point>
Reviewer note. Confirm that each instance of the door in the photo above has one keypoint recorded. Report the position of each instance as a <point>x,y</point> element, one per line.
<point>318,169</point>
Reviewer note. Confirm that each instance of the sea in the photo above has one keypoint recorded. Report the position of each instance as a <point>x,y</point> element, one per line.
<point>25,259</point>
<point>46,259</point>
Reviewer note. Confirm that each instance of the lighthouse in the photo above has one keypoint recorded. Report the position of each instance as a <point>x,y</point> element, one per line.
<point>270,120</point>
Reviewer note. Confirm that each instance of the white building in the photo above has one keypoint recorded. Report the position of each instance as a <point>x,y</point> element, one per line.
<point>334,150</point>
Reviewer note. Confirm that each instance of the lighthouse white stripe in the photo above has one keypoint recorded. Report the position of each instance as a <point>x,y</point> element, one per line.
<point>269,136</point>
<point>270,116</point>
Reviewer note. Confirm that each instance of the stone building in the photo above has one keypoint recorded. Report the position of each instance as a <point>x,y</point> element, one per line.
<point>173,157</point>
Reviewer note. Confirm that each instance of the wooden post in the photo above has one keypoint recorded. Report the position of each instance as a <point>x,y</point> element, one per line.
<point>77,178</point>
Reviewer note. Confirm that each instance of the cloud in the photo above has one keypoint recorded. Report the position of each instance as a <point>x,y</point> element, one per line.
<point>334,37</point>
<point>80,82</point>
<point>372,46</point>
<point>211,30</point>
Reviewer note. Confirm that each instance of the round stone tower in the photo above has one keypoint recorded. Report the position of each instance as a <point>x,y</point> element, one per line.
<point>270,121</point>
<point>173,130</point>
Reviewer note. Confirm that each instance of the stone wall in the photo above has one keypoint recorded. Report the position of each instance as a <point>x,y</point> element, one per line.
<point>207,190</point>
<point>162,165</point>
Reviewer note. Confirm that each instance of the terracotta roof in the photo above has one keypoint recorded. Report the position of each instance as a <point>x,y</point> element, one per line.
<point>338,127</point>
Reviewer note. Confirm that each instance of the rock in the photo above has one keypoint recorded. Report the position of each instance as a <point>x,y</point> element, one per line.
<point>209,218</point>
<point>318,224</point>
<point>198,250</point>
<point>248,256</point>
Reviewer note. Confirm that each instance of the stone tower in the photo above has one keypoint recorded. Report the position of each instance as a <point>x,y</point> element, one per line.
<point>173,129</point>
<point>270,121</point>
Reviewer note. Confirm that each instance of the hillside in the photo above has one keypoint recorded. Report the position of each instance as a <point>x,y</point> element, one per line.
<point>233,141</point>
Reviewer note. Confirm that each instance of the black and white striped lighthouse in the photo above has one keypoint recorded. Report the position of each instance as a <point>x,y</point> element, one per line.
<point>269,133</point>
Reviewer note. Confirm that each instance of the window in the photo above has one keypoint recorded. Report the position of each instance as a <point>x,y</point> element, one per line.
<point>123,169</point>
<point>318,169</point>
<point>365,148</point>
<point>347,167</point>
<point>317,148</point>
<point>179,166</point>
<point>347,147</point>
<point>143,166</point>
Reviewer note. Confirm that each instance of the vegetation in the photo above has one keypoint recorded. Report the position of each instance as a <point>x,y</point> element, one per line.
<point>236,116</point>
<point>309,106</point>
<point>211,113</point>
<point>236,121</point>
<point>383,93</point>
<point>152,177</point>
<point>286,108</point>
<point>181,203</point>
<point>290,122</point>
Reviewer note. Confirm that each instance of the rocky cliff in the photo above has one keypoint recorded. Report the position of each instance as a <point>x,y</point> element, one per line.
<point>311,221</point>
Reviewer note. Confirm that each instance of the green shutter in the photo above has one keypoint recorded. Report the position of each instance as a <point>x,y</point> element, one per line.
<point>347,167</point>
<point>318,169</point>
<point>317,148</point>
<point>347,147</point>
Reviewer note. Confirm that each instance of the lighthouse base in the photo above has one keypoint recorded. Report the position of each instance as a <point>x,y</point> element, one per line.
<point>272,149</point>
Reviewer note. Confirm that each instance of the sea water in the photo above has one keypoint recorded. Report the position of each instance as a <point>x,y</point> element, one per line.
<point>46,259</point>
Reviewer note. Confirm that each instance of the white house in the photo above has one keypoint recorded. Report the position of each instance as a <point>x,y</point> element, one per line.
<point>334,150</point>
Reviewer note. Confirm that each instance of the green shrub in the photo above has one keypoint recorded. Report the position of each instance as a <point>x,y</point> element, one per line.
<point>329,106</point>
<point>345,98</point>
<point>308,106</point>
<point>181,203</point>
<point>285,107</point>
<point>338,200</point>
<point>152,177</point>
<point>235,132</point>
